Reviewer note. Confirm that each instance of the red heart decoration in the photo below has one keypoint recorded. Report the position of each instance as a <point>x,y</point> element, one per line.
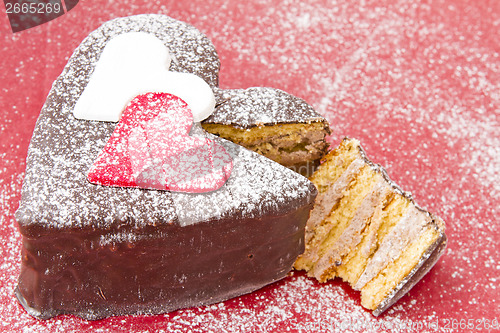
<point>151,148</point>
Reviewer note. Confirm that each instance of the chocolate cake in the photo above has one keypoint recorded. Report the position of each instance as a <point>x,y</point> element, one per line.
<point>273,123</point>
<point>366,230</point>
<point>96,251</point>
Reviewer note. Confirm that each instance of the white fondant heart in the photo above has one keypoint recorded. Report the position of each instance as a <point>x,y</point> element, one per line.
<point>135,63</point>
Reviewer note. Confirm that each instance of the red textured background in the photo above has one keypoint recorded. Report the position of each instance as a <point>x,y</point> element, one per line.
<point>418,82</point>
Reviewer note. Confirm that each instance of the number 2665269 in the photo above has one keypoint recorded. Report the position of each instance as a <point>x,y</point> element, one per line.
<point>33,8</point>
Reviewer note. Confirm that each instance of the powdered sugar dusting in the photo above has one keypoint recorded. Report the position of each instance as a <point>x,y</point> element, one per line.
<point>57,194</point>
<point>257,106</point>
<point>442,145</point>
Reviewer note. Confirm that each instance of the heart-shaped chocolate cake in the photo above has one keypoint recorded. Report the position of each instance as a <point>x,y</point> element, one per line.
<point>107,247</point>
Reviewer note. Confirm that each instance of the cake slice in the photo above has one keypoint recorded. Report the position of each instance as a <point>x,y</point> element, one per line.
<point>273,123</point>
<point>366,230</point>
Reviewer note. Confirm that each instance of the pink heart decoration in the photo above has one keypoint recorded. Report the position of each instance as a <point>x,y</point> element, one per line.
<point>151,148</point>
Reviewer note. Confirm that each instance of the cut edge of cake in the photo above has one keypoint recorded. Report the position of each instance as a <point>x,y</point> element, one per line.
<point>273,123</point>
<point>365,229</point>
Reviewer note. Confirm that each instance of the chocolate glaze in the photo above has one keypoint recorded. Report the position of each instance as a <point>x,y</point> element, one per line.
<point>258,106</point>
<point>97,251</point>
<point>163,269</point>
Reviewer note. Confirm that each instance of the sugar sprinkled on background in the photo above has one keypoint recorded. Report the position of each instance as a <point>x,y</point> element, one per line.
<point>416,83</point>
